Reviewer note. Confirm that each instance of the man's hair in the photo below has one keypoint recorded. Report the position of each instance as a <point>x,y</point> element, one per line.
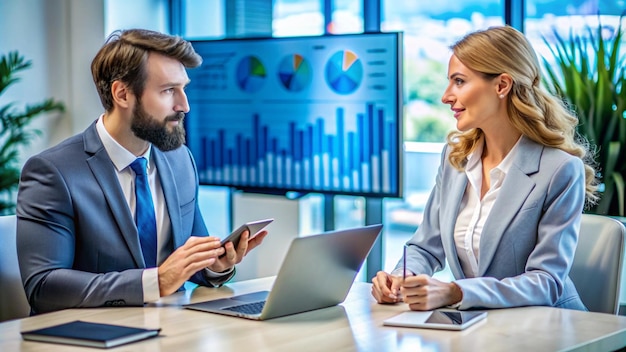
<point>123,57</point>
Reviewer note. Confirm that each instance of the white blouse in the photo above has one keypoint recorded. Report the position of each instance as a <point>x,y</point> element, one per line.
<point>474,211</point>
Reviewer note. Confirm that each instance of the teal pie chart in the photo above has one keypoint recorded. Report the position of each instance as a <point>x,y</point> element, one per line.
<point>251,74</point>
<point>294,72</point>
<point>344,72</point>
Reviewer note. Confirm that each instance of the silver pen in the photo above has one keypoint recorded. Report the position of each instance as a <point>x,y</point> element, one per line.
<point>404,262</point>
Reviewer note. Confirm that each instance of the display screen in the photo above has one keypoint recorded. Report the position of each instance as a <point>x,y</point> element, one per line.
<point>304,114</point>
<point>453,318</point>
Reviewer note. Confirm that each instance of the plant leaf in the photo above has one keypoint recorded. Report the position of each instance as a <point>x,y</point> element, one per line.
<point>619,185</point>
<point>590,75</point>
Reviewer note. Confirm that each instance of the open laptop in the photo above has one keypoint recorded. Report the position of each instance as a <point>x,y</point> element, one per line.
<point>317,272</point>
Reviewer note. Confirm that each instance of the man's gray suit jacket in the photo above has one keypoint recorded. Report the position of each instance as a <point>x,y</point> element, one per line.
<point>76,238</point>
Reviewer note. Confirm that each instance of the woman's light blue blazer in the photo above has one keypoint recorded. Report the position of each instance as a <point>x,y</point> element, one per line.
<point>529,238</point>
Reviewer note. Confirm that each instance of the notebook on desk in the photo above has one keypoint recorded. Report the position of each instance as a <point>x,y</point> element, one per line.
<point>317,272</point>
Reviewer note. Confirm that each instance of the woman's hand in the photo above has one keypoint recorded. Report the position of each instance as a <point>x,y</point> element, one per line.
<point>386,288</point>
<point>422,292</point>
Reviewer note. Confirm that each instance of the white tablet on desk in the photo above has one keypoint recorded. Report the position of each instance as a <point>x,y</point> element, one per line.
<point>437,319</point>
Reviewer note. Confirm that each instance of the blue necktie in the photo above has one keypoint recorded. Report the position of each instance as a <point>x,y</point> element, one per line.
<point>144,213</point>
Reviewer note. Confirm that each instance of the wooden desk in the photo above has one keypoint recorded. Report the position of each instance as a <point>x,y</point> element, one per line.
<point>355,325</point>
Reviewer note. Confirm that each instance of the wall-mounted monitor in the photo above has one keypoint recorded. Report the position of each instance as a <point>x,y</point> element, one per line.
<point>303,114</point>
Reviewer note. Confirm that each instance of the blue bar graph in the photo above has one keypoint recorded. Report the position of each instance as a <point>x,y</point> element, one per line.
<point>308,157</point>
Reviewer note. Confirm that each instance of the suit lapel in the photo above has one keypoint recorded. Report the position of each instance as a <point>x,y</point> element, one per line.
<point>104,172</point>
<point>514,192</point>
<point>170,192</point>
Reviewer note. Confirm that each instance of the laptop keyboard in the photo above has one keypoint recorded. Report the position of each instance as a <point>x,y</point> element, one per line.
<point>248,308</point>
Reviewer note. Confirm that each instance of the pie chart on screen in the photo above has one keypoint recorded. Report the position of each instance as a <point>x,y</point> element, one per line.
<point>251,74</point>
<point>294,72</point>
<point>344,72</point>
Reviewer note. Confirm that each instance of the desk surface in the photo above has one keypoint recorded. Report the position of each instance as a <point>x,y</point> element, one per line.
<point>355,325</point>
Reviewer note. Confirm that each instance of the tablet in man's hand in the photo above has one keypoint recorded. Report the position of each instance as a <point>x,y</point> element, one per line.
<point>254,227</point>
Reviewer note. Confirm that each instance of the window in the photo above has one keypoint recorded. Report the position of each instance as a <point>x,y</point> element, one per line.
<point>203,19</point>
<point>543,17</point>
<point>297,17</point>
<point>122,14</point>
<point>347,17</point>
<point>429,29</point>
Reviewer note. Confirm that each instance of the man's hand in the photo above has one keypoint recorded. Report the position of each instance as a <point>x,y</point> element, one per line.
<point>235,256</point>
<point>196,254</point>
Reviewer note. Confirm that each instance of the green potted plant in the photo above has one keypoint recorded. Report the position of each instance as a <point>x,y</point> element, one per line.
<point>14,130</point>
<point>590,75</point>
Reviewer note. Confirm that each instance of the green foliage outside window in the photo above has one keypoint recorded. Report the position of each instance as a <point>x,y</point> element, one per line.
<point>14,132</point>
<point>426,118</point>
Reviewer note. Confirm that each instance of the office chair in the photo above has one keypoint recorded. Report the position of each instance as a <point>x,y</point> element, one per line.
<point>13,303</point>
<point>598,262</point>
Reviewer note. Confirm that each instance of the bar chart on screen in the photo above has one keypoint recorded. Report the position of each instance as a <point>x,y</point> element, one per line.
<point>306,157</point>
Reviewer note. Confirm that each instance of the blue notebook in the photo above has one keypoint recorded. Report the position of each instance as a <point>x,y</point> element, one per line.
<point>84,333</point>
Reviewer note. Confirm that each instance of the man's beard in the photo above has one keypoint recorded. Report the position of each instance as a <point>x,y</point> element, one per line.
<point>149,129</point>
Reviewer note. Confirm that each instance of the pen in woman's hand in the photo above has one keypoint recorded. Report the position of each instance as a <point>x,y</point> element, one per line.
<point>404,263</point>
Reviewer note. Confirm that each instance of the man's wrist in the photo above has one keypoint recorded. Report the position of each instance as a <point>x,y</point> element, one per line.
<point>216,274</point>
<point>218,279</point>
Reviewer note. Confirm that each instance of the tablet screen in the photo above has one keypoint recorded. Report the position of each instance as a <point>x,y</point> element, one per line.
<point>451,318</point>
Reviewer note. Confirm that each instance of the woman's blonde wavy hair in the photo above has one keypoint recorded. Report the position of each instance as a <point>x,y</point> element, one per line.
<point>537,114</point>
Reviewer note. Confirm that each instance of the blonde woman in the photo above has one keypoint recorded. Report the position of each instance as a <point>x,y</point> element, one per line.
<point>506,208</point>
